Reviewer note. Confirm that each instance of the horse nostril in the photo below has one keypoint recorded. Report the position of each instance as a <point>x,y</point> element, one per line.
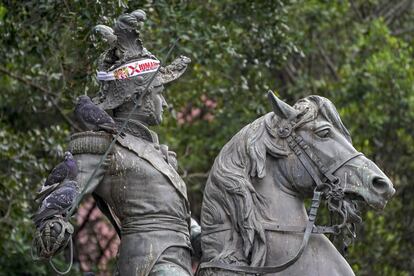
<point>382,185</point>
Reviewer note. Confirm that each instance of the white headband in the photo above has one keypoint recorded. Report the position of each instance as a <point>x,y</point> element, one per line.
<point>129,70</point>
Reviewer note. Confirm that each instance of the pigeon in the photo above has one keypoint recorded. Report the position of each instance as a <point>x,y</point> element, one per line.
<point>93,117</point>
<point>57,203</point>
<point>67,169</point>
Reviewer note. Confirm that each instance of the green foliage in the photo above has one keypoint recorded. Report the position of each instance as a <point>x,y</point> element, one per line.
<point>357,53</point>
<point>382,81</point>
<point>44,67</point>
<point>355,58</point>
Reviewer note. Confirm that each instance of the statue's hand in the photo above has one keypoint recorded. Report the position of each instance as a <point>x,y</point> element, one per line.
<point>51,237</point>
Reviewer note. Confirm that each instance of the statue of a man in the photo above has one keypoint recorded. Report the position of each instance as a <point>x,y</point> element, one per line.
<point>137,187</point>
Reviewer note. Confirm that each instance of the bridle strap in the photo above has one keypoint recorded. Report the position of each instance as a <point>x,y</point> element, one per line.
<point>298,146</point>
<point>299,149</point>
<point>274,227</point>
<point>317,229</point>
<point>342,162</point>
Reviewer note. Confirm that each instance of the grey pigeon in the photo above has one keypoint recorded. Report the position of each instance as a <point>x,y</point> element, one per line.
<point>67,169</point>
<point>93,117</point>
<point>57,203</point>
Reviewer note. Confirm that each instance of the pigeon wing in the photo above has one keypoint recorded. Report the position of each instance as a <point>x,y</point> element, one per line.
<point>45,191</point>
<point>58,174</point>
<point>57,203</point>
<point>61,199</point>
<point>98,117</point>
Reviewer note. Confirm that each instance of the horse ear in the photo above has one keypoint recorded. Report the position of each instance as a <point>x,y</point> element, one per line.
<point>281,108</point>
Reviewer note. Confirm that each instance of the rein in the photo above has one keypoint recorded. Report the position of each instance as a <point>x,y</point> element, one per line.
<point>328,185</point>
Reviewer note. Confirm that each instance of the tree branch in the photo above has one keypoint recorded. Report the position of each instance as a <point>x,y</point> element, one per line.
<point>380,11</point>
<point>402,31</point>
<point>44,90</point>
<point>398,10</point>
<point>108,244</point>
<point>85,221</point>
<point>289,71</point>
<point>357,12</point>
<point>328,62</point>
<point>23,80</point>
<point>7,213</point>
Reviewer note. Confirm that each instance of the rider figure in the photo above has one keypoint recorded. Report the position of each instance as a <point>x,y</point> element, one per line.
<point>137,187</point>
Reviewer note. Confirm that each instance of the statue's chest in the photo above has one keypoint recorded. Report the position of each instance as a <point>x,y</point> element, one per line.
<point>126,164</point>
<point>134,187</point>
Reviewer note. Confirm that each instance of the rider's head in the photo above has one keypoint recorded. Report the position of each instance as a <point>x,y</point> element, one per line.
<point>126,72</point>
<point>151,103</point>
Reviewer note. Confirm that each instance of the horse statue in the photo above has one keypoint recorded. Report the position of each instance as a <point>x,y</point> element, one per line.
<point>253,216</point>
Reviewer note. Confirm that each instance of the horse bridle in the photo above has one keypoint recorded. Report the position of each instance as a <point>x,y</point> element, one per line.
<point>327,185</point>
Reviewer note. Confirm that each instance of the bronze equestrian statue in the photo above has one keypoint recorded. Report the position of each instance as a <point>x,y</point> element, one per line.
<point>253,216</point>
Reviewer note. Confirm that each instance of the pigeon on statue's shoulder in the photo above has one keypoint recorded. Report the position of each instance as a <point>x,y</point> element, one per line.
<point>92,117</point>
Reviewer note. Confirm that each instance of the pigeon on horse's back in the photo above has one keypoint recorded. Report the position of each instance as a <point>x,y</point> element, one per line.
<point>93,117</point>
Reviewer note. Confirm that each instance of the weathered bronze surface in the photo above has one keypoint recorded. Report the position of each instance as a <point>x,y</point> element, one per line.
<point>253,215</point>
<point>138,186</point>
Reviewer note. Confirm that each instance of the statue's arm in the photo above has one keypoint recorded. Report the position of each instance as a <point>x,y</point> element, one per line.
<point>88,149</point>
<point>195,229</point>
<point>91,170</point>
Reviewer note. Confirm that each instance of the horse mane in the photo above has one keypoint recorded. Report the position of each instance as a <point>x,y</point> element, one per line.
<point>244,157</point>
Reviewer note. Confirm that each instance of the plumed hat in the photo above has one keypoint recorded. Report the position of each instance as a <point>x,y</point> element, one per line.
<point>127,66</point>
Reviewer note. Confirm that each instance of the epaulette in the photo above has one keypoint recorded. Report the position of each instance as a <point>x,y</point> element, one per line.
<point>92,142</point>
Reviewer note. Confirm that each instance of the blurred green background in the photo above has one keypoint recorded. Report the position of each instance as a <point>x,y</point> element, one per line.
<point>357,53</point>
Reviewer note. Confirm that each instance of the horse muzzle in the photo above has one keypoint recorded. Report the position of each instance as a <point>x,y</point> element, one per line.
<point>364,181</point>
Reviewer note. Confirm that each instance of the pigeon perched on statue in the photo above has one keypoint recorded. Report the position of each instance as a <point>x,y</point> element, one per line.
<point>58,202</point>
<point>93,117</point>
<point>67,169</point>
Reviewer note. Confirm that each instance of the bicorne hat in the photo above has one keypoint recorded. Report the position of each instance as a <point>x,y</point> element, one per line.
<point>125,69</point>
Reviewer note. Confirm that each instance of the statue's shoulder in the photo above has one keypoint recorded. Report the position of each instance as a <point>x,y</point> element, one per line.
<point>92,142</point>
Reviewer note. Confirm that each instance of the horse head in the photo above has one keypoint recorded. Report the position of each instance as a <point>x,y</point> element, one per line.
<point>253,199</point>
<point>321,148</point>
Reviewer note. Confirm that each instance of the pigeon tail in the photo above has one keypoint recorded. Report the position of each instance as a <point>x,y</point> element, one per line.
<point>111,128</point>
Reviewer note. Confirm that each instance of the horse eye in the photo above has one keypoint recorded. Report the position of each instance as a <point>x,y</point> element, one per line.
<point>324,133</point>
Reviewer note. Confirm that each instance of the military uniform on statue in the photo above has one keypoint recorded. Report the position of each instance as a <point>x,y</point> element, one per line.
<point>137,187</point>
